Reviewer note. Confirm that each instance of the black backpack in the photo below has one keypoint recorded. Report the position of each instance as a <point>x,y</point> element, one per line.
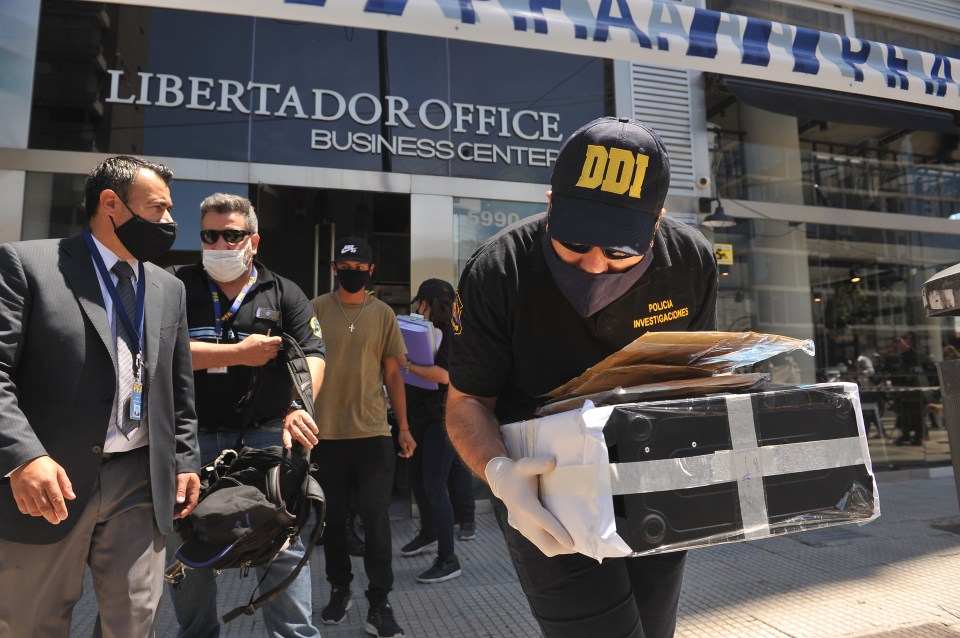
<point>254,502</point>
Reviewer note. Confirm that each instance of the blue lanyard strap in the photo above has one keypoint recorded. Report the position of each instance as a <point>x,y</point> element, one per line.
<point>218,319</point>
<point>128,325</point>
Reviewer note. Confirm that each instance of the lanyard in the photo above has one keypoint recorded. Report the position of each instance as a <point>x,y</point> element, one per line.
<point>128,325</point>
<point>218,319</point>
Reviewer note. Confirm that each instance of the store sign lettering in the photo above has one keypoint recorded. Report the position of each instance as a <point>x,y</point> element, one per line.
<point>164,90</point>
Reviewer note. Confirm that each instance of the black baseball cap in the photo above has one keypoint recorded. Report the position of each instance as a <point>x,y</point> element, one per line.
<point>434,289</point>
<point>609,185</point>
<point>352,249</point>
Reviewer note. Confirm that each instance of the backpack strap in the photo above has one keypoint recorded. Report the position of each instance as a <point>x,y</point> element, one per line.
<point>311,494</point>
<point>311,497</point>
<point>299,372</point>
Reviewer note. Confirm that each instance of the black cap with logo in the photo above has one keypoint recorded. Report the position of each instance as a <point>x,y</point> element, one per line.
<point>352,249</point>
<point>609,185</point>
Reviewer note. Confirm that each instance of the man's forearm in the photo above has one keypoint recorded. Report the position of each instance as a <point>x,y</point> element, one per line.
<point>212,355</point>
<point>393,380</point>
<point>473,429</point>
<point>317,366</point>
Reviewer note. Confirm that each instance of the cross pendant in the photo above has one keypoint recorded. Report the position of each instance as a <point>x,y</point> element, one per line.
<point>351,327</point>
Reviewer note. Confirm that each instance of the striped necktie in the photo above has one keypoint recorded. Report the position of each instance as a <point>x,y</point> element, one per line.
<point>125,348</point>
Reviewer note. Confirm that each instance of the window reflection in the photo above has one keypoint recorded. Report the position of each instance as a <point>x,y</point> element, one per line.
<point>819,149</point>
<point>856,293</point>
<point>53,207</point>
<point>477,220</point>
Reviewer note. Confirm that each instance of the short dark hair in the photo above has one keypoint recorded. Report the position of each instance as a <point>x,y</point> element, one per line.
<point>229,203</point>
<point>116,174</point>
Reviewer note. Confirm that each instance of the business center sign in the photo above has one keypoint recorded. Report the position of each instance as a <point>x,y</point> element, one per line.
<point>513,128</point>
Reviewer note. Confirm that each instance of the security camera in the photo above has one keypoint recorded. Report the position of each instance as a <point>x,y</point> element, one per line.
<point>703,182</point>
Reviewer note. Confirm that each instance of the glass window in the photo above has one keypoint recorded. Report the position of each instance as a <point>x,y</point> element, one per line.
<point>53,207</point>
<point>477,220</point>
<point>18,32</point>
<point>856,293</point>
<point>819,18</point>
<point>894,30</point>
<point>501,125</point>
<point>828,150</point>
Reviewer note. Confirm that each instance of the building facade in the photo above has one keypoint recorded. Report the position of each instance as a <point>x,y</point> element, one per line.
<point>827,130</point>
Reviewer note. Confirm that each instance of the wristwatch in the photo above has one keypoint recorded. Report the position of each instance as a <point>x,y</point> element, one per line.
<point>406,366</point>
<point>296,404</point>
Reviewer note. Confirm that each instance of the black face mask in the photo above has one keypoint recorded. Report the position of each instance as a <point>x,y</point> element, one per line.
<point>589,293</point>
<point>145,240</point>
<point>353,280</point>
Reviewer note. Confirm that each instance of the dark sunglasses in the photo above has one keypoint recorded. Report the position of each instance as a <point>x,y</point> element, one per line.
<point>231,235</point>
<point>582,249</point>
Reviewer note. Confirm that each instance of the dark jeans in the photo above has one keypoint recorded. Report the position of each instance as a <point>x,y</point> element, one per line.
<point>574,596</point>
<point>461,487</point>
<point>364,469</point>
<point>429,469</point>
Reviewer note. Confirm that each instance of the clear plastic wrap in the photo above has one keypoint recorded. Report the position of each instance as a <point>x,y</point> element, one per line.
<point>660,476</point>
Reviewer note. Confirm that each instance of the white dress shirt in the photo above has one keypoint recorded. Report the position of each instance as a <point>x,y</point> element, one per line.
<point>115,441</point>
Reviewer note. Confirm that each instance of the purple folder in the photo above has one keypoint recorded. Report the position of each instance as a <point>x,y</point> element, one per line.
<point>418,335</point>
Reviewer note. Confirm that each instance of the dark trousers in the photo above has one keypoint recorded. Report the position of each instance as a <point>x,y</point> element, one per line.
<point>461,488</point>
<point>364,469</point>
<point>429,469</point>
<point>574,596</point>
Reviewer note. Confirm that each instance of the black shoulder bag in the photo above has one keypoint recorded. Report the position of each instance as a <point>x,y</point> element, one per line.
<point>254,502</point>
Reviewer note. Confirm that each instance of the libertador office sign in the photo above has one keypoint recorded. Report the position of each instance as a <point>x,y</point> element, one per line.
<point>517,136</point>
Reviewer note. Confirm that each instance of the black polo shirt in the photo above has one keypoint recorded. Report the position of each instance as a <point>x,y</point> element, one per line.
<point>217,394</point>
<point>516,337</point>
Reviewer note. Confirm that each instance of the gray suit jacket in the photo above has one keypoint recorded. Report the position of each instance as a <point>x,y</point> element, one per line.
<point>58,378</point>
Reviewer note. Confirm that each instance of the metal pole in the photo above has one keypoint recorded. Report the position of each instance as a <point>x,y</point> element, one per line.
<point>949,372</point>
<point>941,298</point>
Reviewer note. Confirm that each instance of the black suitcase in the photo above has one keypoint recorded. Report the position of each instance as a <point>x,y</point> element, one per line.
<point>813,496</point>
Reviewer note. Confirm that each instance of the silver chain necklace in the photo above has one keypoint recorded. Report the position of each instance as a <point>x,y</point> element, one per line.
<point>344,312</point>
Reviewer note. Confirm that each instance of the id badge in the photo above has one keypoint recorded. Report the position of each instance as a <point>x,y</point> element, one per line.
<point>136,402</point>
<point>220,370</point>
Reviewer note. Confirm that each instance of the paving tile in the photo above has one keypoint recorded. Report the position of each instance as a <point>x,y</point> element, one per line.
<point>897,577</point>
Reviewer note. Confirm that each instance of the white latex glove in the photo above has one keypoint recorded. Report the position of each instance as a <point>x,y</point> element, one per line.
<point>515,483</point>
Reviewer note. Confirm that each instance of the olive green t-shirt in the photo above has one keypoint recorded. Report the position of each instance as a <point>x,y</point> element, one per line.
<point>352,403</point>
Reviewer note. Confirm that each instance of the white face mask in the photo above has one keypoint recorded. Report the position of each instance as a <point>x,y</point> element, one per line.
<point>225,265</point>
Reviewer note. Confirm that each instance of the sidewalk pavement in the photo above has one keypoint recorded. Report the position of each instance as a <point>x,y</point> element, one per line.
<point>897,577</point>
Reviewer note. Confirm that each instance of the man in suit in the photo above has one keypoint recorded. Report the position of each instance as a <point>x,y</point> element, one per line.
<point>98,447</point>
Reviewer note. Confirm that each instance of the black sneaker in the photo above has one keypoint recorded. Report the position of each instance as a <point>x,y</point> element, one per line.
<point>336,609</point>
<point>444,568</point>
<point>467,532</point>
<point>380,622</point>
<point>421,543</point>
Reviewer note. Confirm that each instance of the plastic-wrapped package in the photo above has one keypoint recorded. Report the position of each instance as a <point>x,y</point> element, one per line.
<point>659,476</point>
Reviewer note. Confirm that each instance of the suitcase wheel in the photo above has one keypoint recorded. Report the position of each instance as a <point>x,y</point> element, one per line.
<point>641,429</point>
<point>653,529</point>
